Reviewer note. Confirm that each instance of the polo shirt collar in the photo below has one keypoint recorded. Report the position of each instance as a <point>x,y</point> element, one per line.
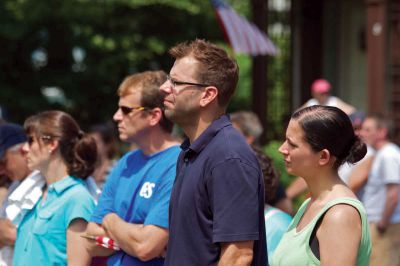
<point>202,141</point>
<point>62,185</point>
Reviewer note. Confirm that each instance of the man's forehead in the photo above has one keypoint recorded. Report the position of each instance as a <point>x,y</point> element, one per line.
<point>133,97</point>
<point>185,65</point>
<point>188,60</point>
<point>370,121</point>
<point>370,124</point>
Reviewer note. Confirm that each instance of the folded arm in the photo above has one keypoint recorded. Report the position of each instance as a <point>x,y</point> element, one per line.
<point>145,242</point>
<point>95,229</point>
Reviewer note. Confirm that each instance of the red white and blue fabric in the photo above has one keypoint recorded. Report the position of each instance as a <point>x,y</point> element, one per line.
<point>243,36</point>
<point>106,242</point>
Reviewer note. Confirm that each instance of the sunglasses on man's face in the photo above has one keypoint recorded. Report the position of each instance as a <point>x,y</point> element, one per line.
<point>127,110</point>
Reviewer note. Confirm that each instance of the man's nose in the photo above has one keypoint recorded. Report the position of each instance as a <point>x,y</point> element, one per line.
<point>118,115</point>
<point>25,148</point>
<point>166,87</point>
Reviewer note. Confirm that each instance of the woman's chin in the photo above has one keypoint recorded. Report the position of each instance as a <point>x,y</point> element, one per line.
<point>32,166</point>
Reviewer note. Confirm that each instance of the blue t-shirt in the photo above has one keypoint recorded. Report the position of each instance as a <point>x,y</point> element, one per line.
<point>276,224</point>
<point>218,196</point>
<point>138,191</point>
<point>42,234</point>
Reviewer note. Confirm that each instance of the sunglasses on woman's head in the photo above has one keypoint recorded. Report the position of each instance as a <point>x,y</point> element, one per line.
<point>31,139</point>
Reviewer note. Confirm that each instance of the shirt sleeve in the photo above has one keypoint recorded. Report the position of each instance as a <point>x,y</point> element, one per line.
<point>234,198</point>
<point>158,214</point>
<point>81,205</point>
<point>391,169</point>
<point>106,201</point>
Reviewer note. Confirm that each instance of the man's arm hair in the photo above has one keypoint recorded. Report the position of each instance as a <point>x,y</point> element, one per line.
<point>145,242</point>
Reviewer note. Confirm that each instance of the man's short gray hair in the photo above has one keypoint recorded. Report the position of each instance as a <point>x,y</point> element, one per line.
<point>248,122</point>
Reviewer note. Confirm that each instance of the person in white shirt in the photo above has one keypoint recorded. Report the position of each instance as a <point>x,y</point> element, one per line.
<point>13,164</point>
<point>320,91</point>
<point>382,191</point>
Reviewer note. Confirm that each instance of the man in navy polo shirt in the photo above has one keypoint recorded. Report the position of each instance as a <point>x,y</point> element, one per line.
<point>217,202</point>
<point>133,207</point>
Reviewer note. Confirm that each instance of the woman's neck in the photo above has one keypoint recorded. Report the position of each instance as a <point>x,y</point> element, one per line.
<point>321,186</point>
<point>56,171</point>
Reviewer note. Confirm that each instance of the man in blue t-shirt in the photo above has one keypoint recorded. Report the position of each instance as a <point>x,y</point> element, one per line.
<point>217,203</point>
<point>133,207</point>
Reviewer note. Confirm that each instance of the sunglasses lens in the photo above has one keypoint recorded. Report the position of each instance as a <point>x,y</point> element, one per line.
<point>125,110</point>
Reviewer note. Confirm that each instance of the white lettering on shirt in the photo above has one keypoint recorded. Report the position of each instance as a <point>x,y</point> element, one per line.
<point>147,190</point>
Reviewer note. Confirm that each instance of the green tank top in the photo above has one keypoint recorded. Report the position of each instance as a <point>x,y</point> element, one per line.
<point>294,248</point>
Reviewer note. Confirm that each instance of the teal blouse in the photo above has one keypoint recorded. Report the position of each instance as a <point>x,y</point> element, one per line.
<point>42,234</point>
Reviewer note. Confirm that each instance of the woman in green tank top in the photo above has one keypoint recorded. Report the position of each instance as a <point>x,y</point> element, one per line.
<point>331,227</point>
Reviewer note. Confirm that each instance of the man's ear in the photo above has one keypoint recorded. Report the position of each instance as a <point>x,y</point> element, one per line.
<point>155,116</point>
<point>209,94</point>
<point>324,157</point>
<point>383,133</point>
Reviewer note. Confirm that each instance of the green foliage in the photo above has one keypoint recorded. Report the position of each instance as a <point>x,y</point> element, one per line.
<point>118,37</point>
<point>242,98</point>
<point>279,82</point>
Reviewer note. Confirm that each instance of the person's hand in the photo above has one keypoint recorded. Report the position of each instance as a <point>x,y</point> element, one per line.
<point>164,253</point>
<point>381,227</point>
<point>8,233</point>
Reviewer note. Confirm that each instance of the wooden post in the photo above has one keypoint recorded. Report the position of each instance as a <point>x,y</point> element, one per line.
<point>259,70</point>
<point>376,40</point>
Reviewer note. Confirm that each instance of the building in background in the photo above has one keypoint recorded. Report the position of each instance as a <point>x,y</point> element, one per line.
<point>355,45</point>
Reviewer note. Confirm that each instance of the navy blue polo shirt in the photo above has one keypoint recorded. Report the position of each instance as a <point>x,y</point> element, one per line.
<point>218,196</point>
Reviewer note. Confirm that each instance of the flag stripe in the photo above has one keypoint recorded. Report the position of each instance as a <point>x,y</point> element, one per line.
<point>243,36</point>
<point>239,40</point>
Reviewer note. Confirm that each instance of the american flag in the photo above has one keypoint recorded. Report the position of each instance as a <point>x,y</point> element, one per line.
<point>244,36</point>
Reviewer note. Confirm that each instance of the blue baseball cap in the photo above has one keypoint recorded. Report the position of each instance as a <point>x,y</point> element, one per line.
<point>10,135</point>
<point>357,118</point>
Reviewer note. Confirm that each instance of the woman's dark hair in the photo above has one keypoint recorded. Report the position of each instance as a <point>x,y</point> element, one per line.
<point>108,135</point>
<point>327,127</point>
<point>271,178</point>
<point>78,150</point>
